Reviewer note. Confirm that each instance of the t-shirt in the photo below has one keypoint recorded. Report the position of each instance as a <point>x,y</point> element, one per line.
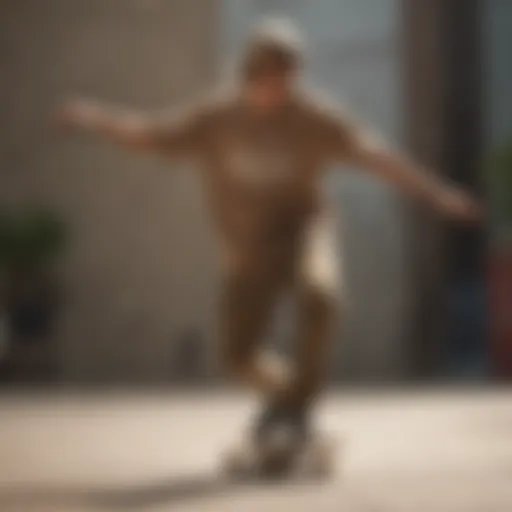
<point>262,170</point>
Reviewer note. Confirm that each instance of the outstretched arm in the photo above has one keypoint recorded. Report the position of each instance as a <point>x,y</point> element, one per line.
<point>181,133</point>
<point>441,195</point>
<point>362,149</point>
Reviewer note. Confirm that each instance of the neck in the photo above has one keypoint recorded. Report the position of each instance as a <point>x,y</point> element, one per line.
<point>253,103</point>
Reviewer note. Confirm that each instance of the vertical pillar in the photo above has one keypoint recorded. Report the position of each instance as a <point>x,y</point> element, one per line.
<point>442,89</point>
<point>424,94</point>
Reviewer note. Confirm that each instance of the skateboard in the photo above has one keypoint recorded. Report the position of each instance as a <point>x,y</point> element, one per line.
<point>282,459</point>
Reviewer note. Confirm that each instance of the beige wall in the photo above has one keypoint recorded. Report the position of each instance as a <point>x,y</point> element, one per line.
<point>139,270</point>
<point>353,51</point>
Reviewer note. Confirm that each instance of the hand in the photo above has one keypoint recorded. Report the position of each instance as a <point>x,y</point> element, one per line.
<point>79,114</point>
<point>460,205</point>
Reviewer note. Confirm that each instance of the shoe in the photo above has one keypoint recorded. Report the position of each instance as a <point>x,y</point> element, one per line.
<point>268,420</point>
<point>279,426</point>
<point>298,423</point>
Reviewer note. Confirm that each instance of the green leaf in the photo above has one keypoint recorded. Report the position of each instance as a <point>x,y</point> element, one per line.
<point>31,239</point>
<point>500,170</point>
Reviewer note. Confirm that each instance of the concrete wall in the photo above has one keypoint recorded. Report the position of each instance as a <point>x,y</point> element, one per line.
<point>498,73</point>
<point>497,41</point>
<point>139,271</point>
<point>354,54</point>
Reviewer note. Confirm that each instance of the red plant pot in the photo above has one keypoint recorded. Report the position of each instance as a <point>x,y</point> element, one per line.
<point>500,295</point>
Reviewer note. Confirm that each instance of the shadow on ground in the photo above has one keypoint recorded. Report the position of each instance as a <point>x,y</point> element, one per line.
<point>128,497</point>
<point>115,498</point>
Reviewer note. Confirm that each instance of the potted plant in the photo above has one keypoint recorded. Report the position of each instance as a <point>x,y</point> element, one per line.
<point>31,242</point>
<point>500,261</point>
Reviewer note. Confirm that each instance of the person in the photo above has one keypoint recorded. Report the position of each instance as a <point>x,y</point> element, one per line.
<point>263,145</point>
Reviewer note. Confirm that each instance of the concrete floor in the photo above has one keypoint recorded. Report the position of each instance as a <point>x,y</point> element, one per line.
<point>414,452</point>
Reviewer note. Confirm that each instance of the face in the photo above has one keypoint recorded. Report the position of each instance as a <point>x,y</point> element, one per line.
<point>270,91</point>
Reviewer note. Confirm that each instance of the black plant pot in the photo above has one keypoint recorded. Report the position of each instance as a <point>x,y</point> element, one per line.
<point>30,312</point>
<point>31,309</point>
<point>30,322</point>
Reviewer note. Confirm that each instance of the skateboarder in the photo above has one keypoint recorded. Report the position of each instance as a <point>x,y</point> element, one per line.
<point>263,145</point>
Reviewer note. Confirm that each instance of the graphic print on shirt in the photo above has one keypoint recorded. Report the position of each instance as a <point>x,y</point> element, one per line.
<point>260,165</point>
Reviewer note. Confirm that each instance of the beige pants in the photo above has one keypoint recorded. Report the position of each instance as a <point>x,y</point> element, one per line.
<point>309,268</point>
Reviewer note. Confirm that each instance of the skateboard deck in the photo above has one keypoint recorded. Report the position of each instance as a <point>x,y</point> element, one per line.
<point>314,459</point>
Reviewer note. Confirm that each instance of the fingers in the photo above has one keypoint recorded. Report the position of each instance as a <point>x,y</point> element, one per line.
<point>76,114</point>
<point>469,209</point>
<point>66,114</point>
<point>460,205</point>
